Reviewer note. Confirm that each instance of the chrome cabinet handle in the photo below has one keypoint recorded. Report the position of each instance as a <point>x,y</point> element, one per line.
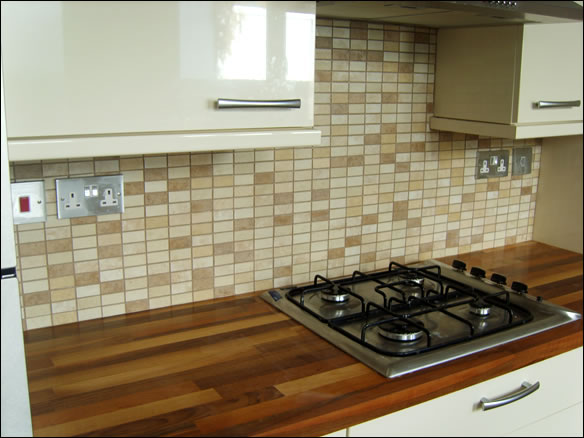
<point>557,104</point>
<point>526,389</point>
<point>238,103</point>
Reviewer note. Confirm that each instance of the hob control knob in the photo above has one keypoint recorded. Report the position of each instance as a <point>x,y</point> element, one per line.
<point>499,279</point>
<point>519,287</point>
<point>477,272</point>
<point>457,264</point>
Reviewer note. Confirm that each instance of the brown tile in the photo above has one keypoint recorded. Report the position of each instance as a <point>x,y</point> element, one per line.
<point>368,257</point>
<point>389,98</point>
<point>374,56</point>
<point>359,34</point>
<point>264,178</point>
<point>159,279</point>
<point>83,220</point>
<point>388,128</point>
<point>370,219</point>
<point>203,279</point>
<point>28,171</point>
<point>202,170</point>
<point>224,291</point>
<point>356,97</point>
<point>86,278</point>
<point>223,248</point>
<point>283,198</point>
<point>336,253</point>
<point>33,248</point>
<point>109,251</point>
<point>355,160</point>
<point>321,194</point>
<point>341,54</point>
<point>406,67</point>
<point>179,242</point>
<point>243,224</point>
<point>156,198</point>
<point>157,174</point>
<point>320,215</point>
<point>492,186</point>
<point>414,222</point>
<point>282,271</point>
<point>358,55</point>
<point>283,219</point>
<point>418,147</point>
<point>324,42</point>
<point>526,190</point>
<point>339,108</point>
<point>109,227</point>
<point>243,256</point>
<point>468,197</point>
<point>112,287</point>
<point>136,306</point>
<point>372,138</point>
<point>323,76</point>
<point>60,270</point>
<point>201,206</point>
<point>391,35</point>
<point>426,247</point>
<point>134,188</point>
<point>352,241</point>
<point>476,238</point>
<point>179,184</point>
<point>387,158</point>
<point>36,298</point>
<point>420,37</point>
<point>338,162</point>
<point>59,245</point>
<point>402,167</point>
<point>403,148</point>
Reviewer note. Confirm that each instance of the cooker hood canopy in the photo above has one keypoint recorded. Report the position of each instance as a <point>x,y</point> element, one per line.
<point>453,13</point>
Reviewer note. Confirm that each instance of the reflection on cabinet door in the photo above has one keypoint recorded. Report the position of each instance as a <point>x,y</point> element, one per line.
<point>460,413</point>
<point>94,68</point>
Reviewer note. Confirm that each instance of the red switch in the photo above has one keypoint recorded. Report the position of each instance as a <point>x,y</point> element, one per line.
<point>24,204</point>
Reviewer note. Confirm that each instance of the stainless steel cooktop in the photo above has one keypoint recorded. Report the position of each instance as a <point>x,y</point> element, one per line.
<point>412,317</point>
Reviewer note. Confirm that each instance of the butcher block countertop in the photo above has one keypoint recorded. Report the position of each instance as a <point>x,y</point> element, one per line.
<point>238,366</point>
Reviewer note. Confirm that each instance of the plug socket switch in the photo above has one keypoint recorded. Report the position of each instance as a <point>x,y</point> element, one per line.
<point>522,158</point>
<point>492,164</point>
<point>28,202</point>
<point>90,196</point>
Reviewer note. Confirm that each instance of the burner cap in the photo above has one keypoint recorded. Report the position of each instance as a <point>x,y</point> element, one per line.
<point>413,277</point>
<point>480,307</point>
<point>334,295</point>
<point>399,330</point>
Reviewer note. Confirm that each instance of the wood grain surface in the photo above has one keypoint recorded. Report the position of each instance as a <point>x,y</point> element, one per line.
<point>238,367</point>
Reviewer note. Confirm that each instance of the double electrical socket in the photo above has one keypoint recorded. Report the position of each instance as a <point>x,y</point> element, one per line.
<point>492,163</point>
<point>90,196</point>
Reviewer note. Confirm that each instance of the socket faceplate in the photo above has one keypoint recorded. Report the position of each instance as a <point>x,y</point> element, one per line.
<point>522,158</point>
<point>492,164</point>
<point>90,196</point>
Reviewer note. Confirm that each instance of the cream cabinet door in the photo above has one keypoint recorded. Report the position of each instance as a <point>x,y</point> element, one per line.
<point>551,70</point>
<point>459,413</point>
<point>87,68</point>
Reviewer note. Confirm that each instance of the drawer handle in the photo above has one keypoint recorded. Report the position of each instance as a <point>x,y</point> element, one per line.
<point>238,103</point>
<point>526,389</point>
<point>557,104</point>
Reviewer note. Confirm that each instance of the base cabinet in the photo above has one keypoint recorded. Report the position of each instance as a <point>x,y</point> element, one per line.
<point>555,408</point>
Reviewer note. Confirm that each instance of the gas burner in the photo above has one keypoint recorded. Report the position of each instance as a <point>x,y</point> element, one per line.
<point>480,307</point>
<point>413,277</point>
<point>400,330</point>
<point>334,295</point>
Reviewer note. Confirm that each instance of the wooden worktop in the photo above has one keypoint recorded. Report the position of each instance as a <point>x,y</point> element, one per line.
<point>238,366</point>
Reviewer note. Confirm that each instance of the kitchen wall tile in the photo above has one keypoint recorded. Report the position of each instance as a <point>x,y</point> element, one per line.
<point>380,186</point>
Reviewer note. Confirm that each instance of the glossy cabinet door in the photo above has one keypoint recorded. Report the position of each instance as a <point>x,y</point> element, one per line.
<point>551,71</point>
<point>93,68</point>
<point>555,404</point>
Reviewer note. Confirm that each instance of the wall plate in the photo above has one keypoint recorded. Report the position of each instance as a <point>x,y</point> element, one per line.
<point>522,158</point>
<point>492,163</point>
<point>90,196</point>
<point>28,202</point>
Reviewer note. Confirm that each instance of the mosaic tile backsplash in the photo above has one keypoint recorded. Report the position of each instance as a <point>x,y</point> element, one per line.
<point>381,186</point>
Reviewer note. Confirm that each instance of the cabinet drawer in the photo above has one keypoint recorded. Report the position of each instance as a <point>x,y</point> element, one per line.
<point>94,68</point>
<point>459,413</point>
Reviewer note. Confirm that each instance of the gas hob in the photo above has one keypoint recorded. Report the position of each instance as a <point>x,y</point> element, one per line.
<point>412,317</point>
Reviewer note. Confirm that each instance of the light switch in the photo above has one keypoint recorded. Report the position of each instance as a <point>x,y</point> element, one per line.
<point>28,202</point>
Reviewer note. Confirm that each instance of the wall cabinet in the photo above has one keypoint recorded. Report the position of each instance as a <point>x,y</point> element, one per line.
<point>94,69</point>
<point>555,407</point>
<point>517,81</point>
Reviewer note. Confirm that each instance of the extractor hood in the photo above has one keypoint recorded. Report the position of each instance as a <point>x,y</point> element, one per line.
<point>453,13</point>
